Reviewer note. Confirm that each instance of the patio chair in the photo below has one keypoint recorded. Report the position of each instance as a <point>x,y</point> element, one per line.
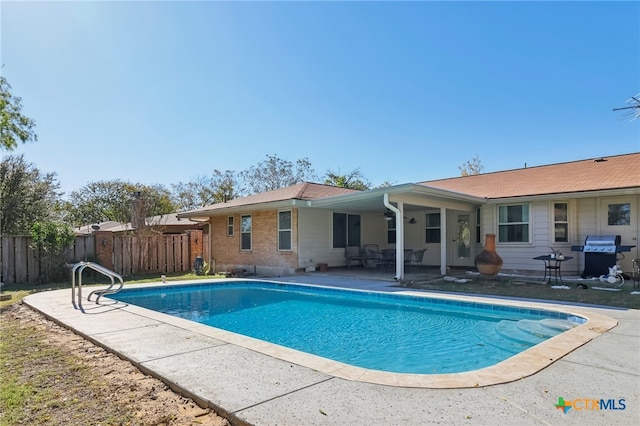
<point>635,274</point>
<point>373,256</point>
<point>354,253</point>
<point>414,257</point>
<point>388,259</point>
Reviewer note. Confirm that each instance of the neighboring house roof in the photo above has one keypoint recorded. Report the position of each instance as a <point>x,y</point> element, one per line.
<point>102,226</point>
<point>303,191</point>
<point>165,220</point>
<point>607,173</point>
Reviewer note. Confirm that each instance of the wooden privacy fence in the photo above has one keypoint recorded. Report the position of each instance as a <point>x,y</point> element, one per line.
<point>134,254</point>
<point>130,254</point>
<point>20,263</point>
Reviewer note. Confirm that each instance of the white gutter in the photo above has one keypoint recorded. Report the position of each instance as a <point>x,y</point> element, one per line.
<point>399,235</point>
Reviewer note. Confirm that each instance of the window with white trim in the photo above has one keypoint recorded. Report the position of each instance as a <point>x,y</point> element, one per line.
<point>513,223</point>
<point>346,230</point>
<point>432,233</point>
<point>230,226</point>
<point>245,232</point>
<point>391,230</point>
<point>284,230</point>
<point>561,222</point>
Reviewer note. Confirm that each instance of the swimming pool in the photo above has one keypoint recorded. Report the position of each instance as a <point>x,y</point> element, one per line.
<point>377,331</point>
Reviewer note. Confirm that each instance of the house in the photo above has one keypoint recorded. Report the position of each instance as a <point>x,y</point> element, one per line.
<point>531,210</point>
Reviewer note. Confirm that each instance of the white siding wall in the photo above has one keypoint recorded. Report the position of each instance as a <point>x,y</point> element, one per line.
<point>582,222</point>
<point>314,236</point>
<point>374,230</point>
<point>315,230</point>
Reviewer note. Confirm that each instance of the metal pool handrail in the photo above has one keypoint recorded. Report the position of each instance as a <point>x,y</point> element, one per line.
<point>80,266</point>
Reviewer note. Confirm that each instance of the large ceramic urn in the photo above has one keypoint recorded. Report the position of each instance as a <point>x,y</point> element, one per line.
<point>488,262</point>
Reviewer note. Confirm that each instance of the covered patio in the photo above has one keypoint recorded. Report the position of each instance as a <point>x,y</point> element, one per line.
<point>402,208</point>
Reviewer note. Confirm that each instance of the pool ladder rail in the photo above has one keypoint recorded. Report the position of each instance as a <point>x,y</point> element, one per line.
<point>81,266</point>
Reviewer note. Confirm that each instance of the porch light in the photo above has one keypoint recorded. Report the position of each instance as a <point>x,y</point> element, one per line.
<point>388,215</point>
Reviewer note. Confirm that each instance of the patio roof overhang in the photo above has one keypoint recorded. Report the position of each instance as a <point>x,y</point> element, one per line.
<point>412,196</point>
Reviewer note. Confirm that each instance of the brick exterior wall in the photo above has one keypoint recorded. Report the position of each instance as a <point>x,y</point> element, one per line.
<point>104,248</point>
<point>195,244</point>
<point>264,257</point>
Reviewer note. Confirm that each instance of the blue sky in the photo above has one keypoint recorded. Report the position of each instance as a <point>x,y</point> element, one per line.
<point>161,92</point>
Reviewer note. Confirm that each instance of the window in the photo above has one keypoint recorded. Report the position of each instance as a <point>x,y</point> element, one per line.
<point>284,230</point>
<point>561,222</point>
<point>619,214</point>
<point>478,229</point>
<point>245,232</point>
<point>230,226</point>
<point>513,223</point>
<point>433,228</point>
<point>391,230</point>
<point>346,230</point>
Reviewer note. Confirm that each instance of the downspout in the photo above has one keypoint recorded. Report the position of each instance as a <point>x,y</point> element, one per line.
<point>399,236</point>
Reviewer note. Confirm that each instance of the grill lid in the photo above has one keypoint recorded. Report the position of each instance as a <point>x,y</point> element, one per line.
<point>602,243</point>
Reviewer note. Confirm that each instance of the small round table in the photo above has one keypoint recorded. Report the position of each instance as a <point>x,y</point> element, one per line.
<point>552,267</point>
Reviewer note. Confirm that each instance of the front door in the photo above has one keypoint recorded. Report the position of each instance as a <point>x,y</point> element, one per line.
<point>619,216</point>
<point>460,249</point>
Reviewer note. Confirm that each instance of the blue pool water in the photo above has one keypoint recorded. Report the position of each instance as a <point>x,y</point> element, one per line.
<point>380,331</point>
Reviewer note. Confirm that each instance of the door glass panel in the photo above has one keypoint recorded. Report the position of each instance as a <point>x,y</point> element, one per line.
<point>463,236</point>
<point>619,214</point>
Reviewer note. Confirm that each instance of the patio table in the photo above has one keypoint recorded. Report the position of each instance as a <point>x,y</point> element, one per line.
<point>552,267</point>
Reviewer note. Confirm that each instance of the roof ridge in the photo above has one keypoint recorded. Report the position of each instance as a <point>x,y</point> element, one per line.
<point>302,190</point>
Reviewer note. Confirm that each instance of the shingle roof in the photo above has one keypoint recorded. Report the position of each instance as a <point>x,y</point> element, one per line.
<point>615,172</point>
<point>301,191</point>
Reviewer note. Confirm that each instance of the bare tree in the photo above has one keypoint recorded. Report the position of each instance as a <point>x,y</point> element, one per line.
<point>275,173</point>
<point>471,167</point>
<point>205,190</point>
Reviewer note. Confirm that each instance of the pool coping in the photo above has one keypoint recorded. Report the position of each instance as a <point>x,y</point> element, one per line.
<point>517,367</point>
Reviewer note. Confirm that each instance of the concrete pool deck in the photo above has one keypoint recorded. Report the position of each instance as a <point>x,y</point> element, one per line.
<point>249,387</point>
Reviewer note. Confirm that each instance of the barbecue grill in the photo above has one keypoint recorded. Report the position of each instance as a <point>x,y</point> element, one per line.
<point>600,253</point>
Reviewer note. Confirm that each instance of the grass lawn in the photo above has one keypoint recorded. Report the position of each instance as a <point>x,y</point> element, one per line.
<point>18,291</point>
<point>536,289</point>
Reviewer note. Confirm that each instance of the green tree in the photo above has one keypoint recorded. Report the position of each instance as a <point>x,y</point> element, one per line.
<point>351,180</point>
<point>14,127</point>
<point>275,173</point>
<point>116,200</point>
<point>50,241</point>
<point>205,190</point>
<point>26,195</point>
<point>471,167</point>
